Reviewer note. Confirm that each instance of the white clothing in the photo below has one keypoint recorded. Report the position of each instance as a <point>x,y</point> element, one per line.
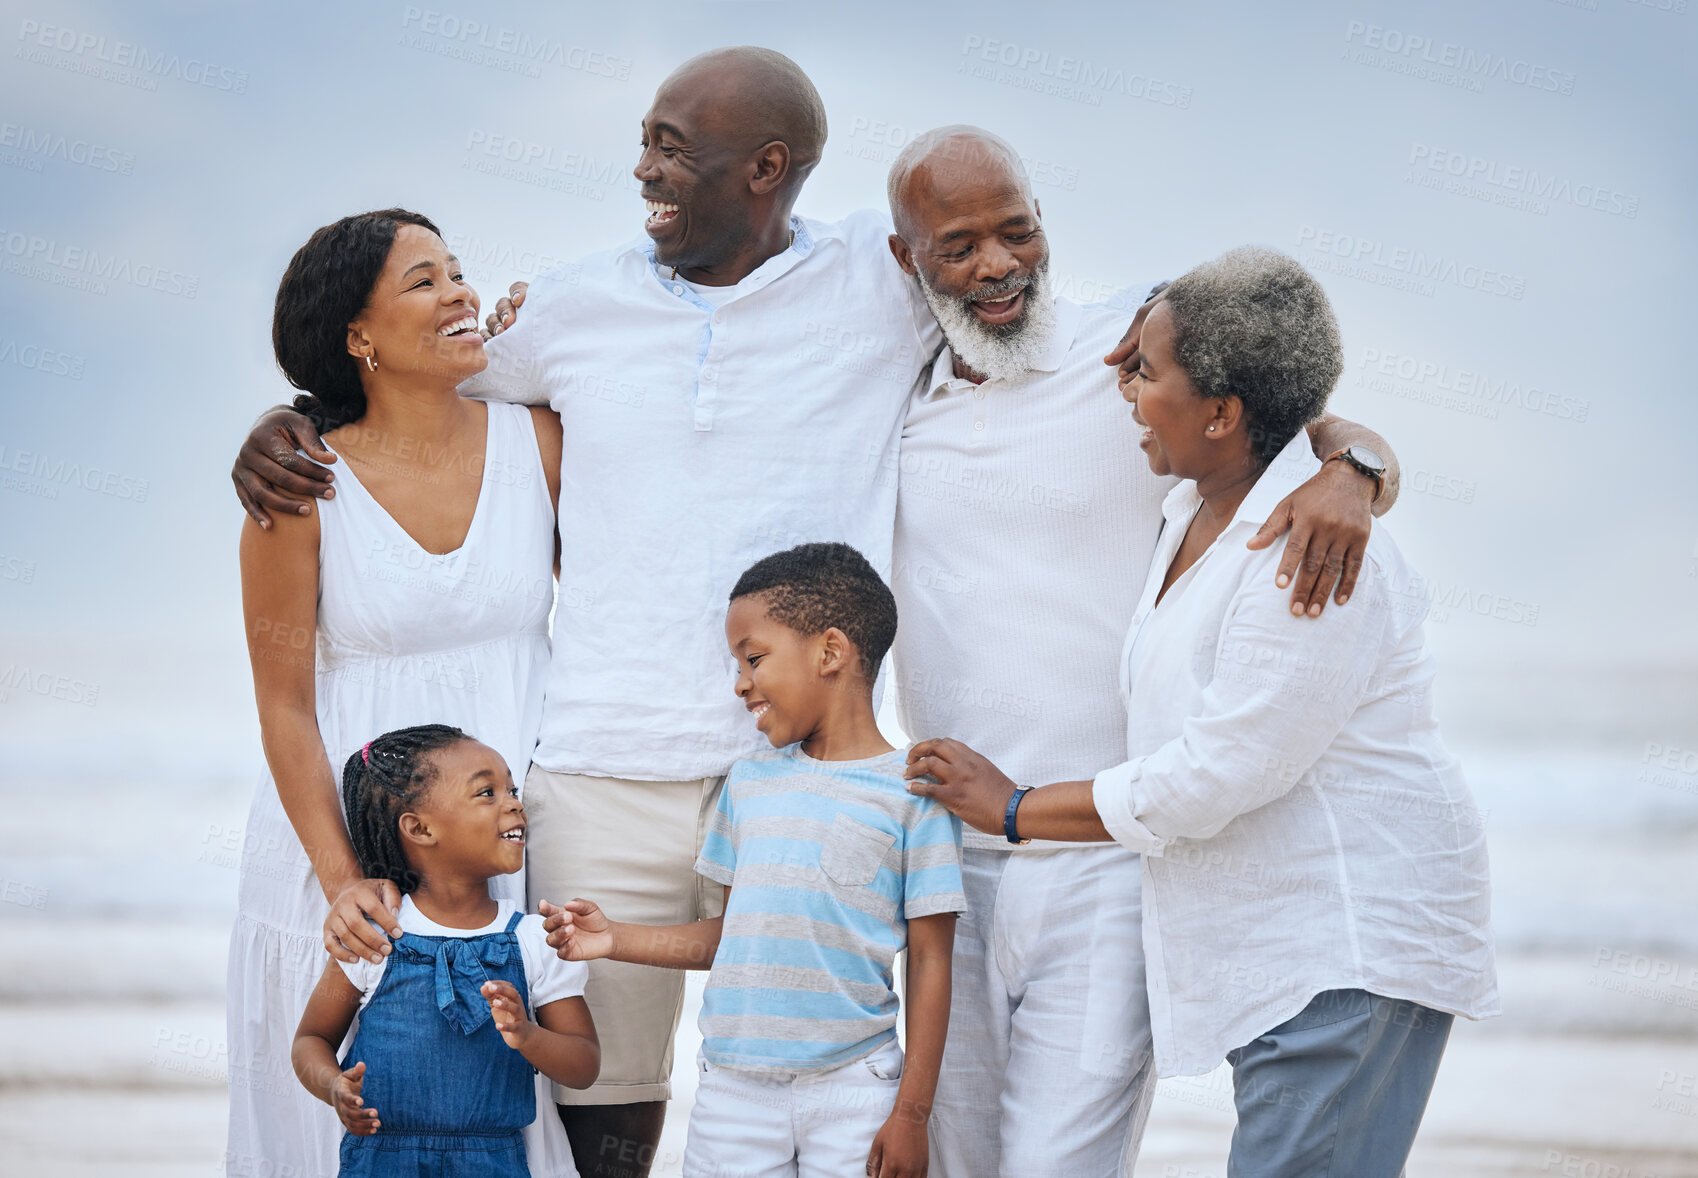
<point>1024,527</point>
<point>1302,826</point>
<point>698,440</point>
<point>1047,1068</point>
<point>713,296</point>
<point>547,977</point>
<point>1024,530</point>
<point>405,637</point>
<point>802,1125</point>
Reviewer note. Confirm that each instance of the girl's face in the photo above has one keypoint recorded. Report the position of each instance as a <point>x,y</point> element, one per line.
<point>420,318</point>
<point>471,817</point>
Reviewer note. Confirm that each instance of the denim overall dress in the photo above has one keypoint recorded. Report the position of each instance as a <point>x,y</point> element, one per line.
<point>451,1095</point>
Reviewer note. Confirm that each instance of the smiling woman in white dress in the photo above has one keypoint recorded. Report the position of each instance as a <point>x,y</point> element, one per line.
<point>1316,907</point>
<point>419,594</point>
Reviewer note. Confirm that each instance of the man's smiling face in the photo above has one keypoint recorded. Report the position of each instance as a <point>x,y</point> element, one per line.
<point>695,171</point>
<point>975,243</point>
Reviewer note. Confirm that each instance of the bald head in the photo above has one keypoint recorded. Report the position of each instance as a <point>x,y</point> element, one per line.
<point>757,95</point>
<point>941,161</point>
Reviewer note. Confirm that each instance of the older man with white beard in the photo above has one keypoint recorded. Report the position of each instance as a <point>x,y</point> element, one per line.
<point>1025,525</point>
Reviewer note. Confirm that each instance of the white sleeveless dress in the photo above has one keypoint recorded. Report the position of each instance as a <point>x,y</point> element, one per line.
<point>404,637</point>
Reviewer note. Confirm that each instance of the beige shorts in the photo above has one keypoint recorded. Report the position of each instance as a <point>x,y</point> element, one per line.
<point>630,846</point>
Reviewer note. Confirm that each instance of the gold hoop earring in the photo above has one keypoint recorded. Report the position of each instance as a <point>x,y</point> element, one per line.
<point>371,366</point>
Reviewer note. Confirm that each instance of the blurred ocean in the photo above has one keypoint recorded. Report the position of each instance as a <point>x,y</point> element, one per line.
<point>121,827</point>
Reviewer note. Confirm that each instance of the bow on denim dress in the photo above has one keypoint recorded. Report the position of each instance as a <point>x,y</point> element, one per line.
<point>451,1095</point>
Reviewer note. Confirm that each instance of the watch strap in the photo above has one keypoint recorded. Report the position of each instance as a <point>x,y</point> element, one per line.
<point>1009,815</point>
<point>1349,459</point>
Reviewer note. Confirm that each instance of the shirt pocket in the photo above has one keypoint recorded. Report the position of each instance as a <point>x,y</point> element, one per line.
<point>853,851</point>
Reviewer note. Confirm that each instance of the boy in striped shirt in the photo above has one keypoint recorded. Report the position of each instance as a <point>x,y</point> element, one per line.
<point>831,868</point>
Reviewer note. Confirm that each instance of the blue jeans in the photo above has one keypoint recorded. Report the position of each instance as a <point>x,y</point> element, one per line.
<point>1338,1091</point>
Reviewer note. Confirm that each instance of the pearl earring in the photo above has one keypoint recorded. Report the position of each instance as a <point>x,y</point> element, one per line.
<point>1211,429</point>
<point>371,366</point>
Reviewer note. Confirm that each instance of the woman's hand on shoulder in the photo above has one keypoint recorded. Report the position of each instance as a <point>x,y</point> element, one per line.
<point>349,931</point>
<point>964,782</point>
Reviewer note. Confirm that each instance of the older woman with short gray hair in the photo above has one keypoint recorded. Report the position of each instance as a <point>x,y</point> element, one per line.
<point>1316,905</point>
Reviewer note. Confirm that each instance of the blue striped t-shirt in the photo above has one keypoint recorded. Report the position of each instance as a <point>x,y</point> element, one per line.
<point>827,861</point>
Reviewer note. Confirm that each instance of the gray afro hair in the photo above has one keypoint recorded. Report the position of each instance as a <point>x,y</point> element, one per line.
<point>1255,325</point>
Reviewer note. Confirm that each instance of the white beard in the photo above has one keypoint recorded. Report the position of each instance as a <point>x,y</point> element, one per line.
<point>996,354</point>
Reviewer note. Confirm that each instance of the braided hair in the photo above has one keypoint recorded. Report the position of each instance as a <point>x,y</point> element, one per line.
<point>327,285</point>
<point>380,783</point>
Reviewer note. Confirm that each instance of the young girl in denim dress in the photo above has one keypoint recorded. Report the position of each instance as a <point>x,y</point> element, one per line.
<point>438,1078</point>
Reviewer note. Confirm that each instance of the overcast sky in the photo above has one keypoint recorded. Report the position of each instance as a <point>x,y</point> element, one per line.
<point>1499,199</point>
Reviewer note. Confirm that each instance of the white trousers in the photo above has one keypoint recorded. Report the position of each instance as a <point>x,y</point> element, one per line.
<point>801,1125</point>
<point>1048,1069</point>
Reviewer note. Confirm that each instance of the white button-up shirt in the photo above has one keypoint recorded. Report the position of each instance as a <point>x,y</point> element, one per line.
<point>1303,828</point>
<point>698,439</point>
<point>1024,529</point>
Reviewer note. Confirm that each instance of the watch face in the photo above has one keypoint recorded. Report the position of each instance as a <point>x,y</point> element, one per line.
<point>1366,457</point>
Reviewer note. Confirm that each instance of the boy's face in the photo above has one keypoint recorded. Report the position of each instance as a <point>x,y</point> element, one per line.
<point>782,675</point>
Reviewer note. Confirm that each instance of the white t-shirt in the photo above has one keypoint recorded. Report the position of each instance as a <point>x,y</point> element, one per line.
<point>548,978</point>
<point>1024,528</point>
<point>713,296</point>
<point>699,439</point>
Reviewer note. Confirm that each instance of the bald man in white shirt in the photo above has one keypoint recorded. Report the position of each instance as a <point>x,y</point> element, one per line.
<point>1026,520</point>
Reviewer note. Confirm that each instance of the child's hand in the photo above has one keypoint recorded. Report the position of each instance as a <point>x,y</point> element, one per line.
<point>899,1150</point>
<point>350,1107</point>
<point>508,1012</point>
<point>578,930</point>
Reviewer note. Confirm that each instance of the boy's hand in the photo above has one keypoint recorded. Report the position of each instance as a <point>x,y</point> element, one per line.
<point>899,1150</point>
<point>349,1105</point>
<point>578,930</point>
<point>508,1012</point>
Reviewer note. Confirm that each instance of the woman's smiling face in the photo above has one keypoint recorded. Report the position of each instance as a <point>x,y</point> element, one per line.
<point>1175,418</point>
<point>420,318</point>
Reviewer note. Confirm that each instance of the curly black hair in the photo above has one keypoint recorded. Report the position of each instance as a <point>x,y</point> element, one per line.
<point>813,587</point>
<point>380,783</point>
<point>327,285</point>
